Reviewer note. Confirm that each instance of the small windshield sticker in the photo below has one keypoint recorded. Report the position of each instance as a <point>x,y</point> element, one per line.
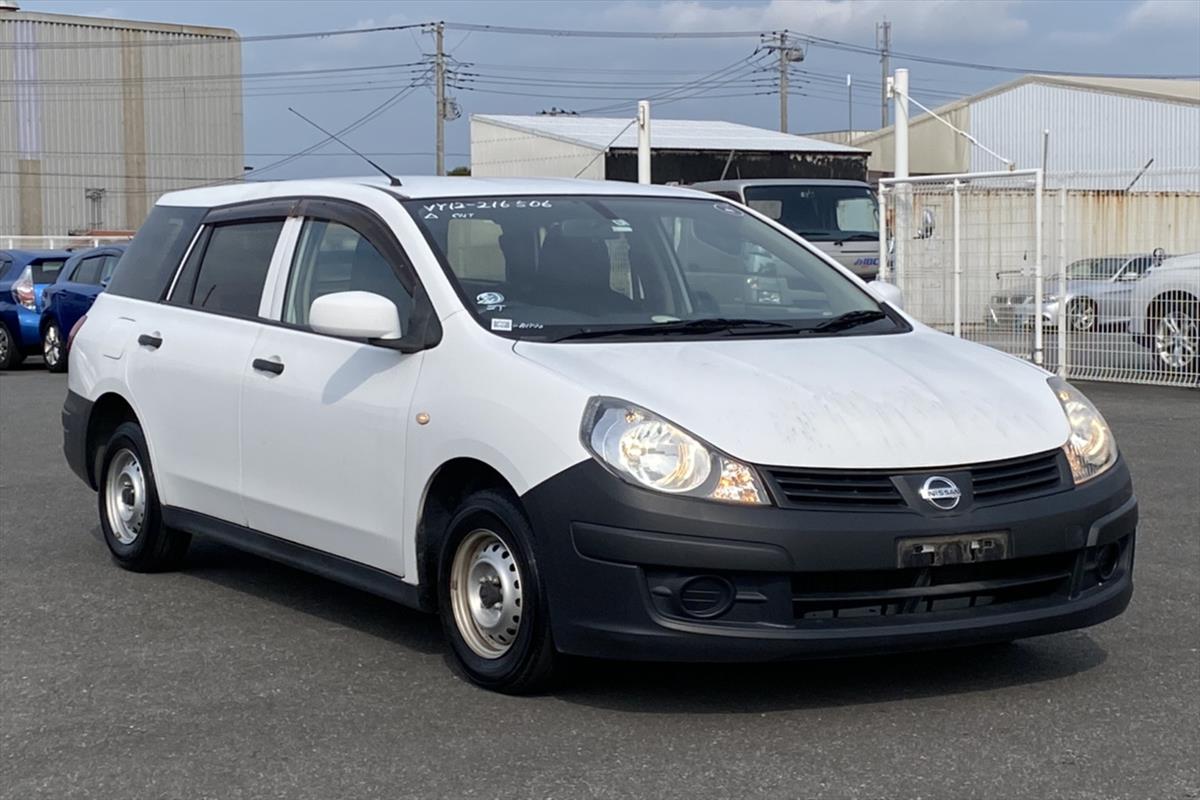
<point>731,210</point>
<point>502,325</point>
<point>621,226</point>
<point>535,326</point>
<point>489,298</point>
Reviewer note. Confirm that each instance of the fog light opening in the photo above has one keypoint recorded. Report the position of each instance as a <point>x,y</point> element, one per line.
<point>1107,561</point>
<point>706,596</point>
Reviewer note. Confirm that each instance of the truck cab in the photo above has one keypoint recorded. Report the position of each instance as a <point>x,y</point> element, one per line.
<point>839,217</point>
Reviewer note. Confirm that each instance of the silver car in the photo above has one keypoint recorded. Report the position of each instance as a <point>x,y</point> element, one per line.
<point>1166,314</point>
<point>1099,294</point>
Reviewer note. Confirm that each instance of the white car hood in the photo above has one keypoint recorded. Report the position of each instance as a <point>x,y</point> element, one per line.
<point>922,399</point>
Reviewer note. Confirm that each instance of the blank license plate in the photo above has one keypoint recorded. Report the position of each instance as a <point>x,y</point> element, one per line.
<point>934,551</point>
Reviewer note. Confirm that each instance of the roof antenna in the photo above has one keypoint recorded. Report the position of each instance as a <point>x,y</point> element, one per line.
<point>392,179</point>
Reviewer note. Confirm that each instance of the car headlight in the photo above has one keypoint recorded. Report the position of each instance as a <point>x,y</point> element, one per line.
<point>648,451</point>
<point>1090,448</point>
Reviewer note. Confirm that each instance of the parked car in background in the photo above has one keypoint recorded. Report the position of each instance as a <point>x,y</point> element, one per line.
<point>840,217</point>
<point>24,274</point>
<point>65,301</point>
<point>1166,314</point>
<point>1099,294</point>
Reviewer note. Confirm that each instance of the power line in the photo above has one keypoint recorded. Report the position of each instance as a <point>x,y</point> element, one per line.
<point>184,39</point>
<point>593,34</point>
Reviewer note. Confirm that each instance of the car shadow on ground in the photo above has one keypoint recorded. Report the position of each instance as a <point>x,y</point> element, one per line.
<point>309,594</point>
<point>827,683</point>
<point>674,688</point>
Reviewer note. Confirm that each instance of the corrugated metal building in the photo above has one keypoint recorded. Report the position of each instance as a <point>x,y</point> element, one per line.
<point>1102,132</point>
<point>686,151</point>
<point>100,116</point>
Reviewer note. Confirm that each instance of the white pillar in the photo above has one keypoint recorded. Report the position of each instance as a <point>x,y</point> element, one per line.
<point>1039,276</point>
<point>643,121</point>
<point>957,259</point>
<point>903,196</point>
<point>1062,283</point>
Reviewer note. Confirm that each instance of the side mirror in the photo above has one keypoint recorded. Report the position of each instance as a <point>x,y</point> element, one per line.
<point>1159,255</point>
<point>887,292</point>
<point>355,315</point>
<point>104,282</point>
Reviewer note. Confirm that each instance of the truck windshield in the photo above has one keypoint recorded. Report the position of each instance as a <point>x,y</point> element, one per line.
<point>554,267</point>
<point>819,213</point>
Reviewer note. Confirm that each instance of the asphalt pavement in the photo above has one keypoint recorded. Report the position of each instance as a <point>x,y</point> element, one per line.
<point>239,678</point>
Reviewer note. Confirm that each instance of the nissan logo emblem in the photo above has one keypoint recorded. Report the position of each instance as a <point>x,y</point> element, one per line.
<point>941,492</point>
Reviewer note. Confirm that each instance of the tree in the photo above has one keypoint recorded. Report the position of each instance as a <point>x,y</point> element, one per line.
<point>461,171</point>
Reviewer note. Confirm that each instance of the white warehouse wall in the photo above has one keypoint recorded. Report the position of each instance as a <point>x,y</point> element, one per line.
<point>498,151</point>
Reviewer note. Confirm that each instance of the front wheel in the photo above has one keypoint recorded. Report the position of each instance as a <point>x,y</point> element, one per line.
<point>54,349</point>
<point>491,598</point>
<point>10,354</point>
<point>1082,315</point>
<point>1177,336</point>
<point>130,514</point>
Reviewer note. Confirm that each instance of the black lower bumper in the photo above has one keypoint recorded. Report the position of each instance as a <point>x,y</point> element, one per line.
<point>76,412</point>
<point>633,574</point>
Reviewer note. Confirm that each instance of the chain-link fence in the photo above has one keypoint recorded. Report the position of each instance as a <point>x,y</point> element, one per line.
<point>1083,272</point>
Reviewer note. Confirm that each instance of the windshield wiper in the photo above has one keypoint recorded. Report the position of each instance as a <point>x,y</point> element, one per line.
<point>860,237</point>
<point>701,326</point>
<point>851,319</point>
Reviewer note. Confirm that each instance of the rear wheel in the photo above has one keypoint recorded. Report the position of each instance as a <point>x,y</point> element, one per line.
<point>1177,335</point>
<point>1081,315</point>
<point>491,600</point>
<point>130,514</point>
<point>10,354</point>
<point>54,349</point>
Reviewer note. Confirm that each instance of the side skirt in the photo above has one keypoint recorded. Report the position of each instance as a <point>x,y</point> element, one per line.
<point>352,573</point>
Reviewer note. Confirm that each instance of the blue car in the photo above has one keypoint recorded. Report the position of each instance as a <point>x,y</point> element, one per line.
<point>65,302</point>
<point>23,276</point>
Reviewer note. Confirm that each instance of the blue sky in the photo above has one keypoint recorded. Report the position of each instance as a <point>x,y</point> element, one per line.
<point>1142,36</point>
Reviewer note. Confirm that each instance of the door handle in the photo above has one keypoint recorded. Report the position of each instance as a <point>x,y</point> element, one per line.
<point>265,365</point>
<point>151,341</point>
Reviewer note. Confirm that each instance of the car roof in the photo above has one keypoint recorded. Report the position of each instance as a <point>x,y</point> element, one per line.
<point>25,256</point>
<point>741,183</point>
<point>416,188</point>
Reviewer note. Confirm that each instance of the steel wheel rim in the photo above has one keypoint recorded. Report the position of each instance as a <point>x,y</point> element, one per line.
<point>52,346</point>
<point>486,593</point>
<point>125,496</point>
<point>1175,338</point>
<point>1084,317</point>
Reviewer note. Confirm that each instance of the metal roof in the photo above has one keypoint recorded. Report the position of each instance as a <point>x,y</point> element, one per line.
<point>665,134</point>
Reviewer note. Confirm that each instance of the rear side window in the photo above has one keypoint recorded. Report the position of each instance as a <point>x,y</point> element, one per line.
<point>110,265</point>
<point>88,270</point>
<point>46,270</point>
<point>148,266</point>
<point>234,267</point>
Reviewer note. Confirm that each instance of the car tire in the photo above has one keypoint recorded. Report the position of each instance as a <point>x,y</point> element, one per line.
<point>54,349</point>
<point>10,352</point>
<point>1175,336</point>
<point>1082,315</point>
<point>130,514</point>
<point>491,598</point>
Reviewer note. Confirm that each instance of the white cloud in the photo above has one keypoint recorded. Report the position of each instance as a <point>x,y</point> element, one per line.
<point>924,21</point>
<point>1164,16</point>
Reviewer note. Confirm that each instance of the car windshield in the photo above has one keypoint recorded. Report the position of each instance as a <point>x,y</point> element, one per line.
<point>819,213</point>
<point>1094,268</point>
<point>553,267</point>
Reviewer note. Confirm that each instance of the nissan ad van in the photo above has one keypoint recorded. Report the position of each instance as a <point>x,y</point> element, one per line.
<point>592,419</point>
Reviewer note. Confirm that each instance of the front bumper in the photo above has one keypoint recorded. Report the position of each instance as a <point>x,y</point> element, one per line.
<point>619,562</point>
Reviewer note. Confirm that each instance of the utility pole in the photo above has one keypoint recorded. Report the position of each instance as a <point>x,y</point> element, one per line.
<point>788,54</point>
<point>439,78</point>
<point>849,109</point>
<point>883,41</point>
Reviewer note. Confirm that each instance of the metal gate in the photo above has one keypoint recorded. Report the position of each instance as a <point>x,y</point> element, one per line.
<point>1063,277</point>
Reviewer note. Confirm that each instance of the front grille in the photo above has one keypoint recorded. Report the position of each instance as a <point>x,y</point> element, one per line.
<point>1016,478</point>
<point>819,596</point>
<point>837,488</point>
<point>865,490</point>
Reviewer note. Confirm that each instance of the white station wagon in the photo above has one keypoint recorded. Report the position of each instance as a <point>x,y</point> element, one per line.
<point>589,419</point>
